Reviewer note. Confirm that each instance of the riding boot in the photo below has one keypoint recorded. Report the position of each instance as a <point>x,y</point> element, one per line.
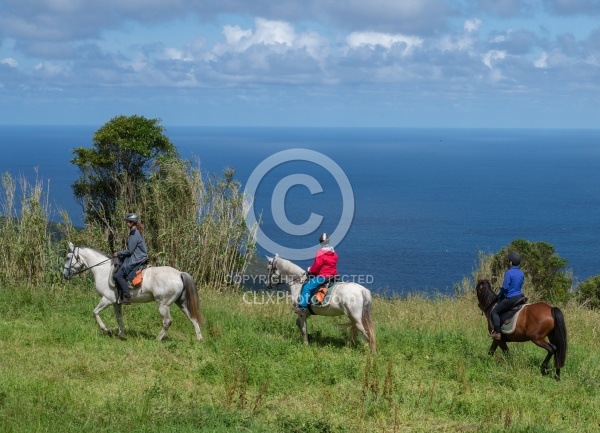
<point>496,335</point>
<point>126,299</point>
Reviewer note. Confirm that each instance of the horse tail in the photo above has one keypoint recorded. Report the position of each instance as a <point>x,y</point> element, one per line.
<point>558,337</point>
<point>367,320</point>
<point>191,297</point>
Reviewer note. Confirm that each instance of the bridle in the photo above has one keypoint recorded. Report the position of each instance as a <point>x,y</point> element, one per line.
<point>78,261</point>
<point>272,269</point>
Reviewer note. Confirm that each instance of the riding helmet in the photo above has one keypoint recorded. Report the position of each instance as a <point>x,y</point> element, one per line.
<point>324,239</point>
<point>133,217</point>
<point>515,258</point>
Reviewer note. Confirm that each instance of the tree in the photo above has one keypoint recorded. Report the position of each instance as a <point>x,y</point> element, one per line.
<point>118,164</point>
<point>588,292</point>
<point>543,269</point>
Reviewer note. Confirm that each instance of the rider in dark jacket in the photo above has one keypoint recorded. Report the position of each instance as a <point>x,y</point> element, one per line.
<point>510,294</point>
<point>135,254</point>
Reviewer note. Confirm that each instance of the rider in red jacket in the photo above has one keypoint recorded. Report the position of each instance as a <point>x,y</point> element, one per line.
<point>323,267</point>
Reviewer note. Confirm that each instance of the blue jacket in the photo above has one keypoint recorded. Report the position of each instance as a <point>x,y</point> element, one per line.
<point>513,282</point>
<point>136,251</point>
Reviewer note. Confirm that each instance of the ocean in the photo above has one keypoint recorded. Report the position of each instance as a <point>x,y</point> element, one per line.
<point>408,209</point>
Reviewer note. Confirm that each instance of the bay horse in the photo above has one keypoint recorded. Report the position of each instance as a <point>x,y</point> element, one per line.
<point>540,323</point>
<point>347,298</point>
<point>163,284</point>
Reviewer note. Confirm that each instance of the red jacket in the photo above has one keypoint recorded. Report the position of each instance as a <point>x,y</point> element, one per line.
<point>325,264</point>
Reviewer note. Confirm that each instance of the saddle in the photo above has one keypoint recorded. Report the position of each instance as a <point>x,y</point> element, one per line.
<point>136,276</point>
<point>508,319</point>
<point>321,295</point>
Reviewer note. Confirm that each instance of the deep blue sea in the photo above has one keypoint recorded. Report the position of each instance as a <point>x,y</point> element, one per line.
<point>426,201</point>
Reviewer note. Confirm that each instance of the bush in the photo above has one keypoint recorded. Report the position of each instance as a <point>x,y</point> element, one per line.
<point>588,292</point>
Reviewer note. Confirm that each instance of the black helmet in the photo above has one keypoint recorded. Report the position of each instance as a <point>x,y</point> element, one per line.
<point>515,258</point>
<point>133,217</point>
<point>324,238</point>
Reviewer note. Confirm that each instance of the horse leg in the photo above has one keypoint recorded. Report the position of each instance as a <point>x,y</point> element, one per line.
<point>493,347</point>
<point>119,316</point>
<point>358,326</point>
<point>504,347</point>
<point>301,324</point>
<point>103,304</point>
<point>544,367</point>
<point>352,334</point>
<point>165,312</point>
<point>186,311</point>
<point>551,349</point>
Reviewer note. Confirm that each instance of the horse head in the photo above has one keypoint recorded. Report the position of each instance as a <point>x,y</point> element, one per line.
<point>74,262</point>
<point>284,271</point>
<point>485,294</point>
<point>273,274</point>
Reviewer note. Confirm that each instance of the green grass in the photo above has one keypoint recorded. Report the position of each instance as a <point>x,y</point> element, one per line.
<point>253,374</point>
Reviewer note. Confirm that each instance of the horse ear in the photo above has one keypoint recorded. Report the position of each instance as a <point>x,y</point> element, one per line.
<point>71,246</point>
<point>270,259</point>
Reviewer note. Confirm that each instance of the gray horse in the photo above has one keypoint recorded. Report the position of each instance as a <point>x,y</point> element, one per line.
<point>350,299</point>
<point>162,284</point>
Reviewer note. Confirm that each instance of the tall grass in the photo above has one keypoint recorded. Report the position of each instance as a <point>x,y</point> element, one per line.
<point>252,372</point>
<point>25,236</point>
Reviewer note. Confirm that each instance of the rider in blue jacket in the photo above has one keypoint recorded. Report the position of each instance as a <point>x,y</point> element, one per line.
<point>135,254</point>
<point>510,294</point>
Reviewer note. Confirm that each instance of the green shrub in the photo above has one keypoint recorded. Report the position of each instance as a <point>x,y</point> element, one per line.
<point>588,292</point>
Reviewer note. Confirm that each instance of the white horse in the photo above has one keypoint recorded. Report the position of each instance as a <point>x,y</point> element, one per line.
<point>162,284</point>
<point>350,299</point>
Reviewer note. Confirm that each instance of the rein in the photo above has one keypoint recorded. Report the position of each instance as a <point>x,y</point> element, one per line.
<point>71,274</point>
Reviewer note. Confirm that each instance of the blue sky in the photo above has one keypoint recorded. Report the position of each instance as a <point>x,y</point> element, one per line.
<point>409,63</point>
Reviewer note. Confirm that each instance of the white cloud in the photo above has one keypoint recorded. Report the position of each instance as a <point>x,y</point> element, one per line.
<point>455,43</point>
<point>592,60</point>
<point>175,54</point>
<point>385,40</point>
<point>10,62</point>
<point>51,69</point>
<point>472,25</point>
<point>542,61</point>
<point>492,56</point>
<point>270,36</point>
<point>265,33</point>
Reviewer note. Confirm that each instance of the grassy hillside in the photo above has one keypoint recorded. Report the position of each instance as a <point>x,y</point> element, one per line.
<point>253,374</point>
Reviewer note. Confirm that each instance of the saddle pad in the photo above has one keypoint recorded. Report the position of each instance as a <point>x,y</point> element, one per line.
<point>509,326</point>
<point>137,280</point>
<point>326,300</point>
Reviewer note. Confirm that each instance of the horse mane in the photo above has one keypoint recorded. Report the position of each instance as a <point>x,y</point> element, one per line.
<point>288,267</point>
<point>96,251</point>
<point>485,294</point>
